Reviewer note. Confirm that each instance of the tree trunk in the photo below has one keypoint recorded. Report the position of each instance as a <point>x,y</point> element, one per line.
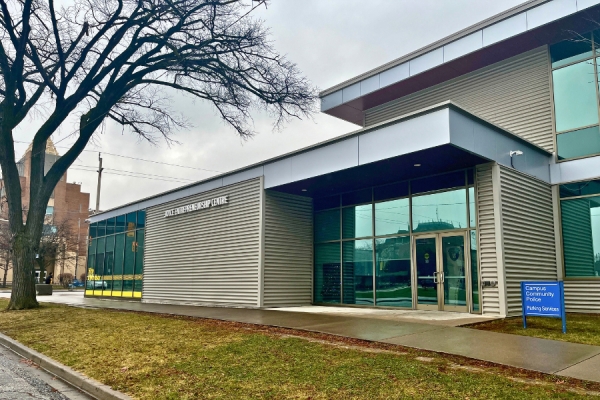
<point>23,289</point>
<point>7,263</point>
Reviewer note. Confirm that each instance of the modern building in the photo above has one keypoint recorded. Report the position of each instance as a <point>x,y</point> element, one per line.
<point>476,165</point>
<point>65,221</point>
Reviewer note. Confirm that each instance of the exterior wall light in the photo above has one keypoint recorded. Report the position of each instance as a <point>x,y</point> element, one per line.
<point>514,153</point>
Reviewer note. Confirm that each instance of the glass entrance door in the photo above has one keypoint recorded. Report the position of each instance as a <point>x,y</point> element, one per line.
<point>441,272</point>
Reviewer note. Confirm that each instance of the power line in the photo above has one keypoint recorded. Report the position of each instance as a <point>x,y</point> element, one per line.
<point>135,158</point>
<point>168,179</point>
<point>94,169</point>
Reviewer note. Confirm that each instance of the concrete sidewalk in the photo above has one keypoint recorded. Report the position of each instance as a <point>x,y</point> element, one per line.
<point>549,356</point>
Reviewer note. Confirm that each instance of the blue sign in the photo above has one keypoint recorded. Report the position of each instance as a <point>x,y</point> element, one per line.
<point>543,299</point>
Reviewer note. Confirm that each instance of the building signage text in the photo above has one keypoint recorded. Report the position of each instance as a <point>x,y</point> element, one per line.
<point>543,299</point>
<point>201,205</point>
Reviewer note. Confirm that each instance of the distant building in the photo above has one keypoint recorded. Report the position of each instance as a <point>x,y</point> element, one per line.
<point>67,210</point>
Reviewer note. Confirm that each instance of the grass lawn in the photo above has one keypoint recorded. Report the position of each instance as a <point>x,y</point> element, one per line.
<point>581,328</point>
<point>165,357</point>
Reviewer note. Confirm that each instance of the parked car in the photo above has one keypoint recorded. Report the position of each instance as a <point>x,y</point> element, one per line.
<point>97,285</point>
<point>76,283</point>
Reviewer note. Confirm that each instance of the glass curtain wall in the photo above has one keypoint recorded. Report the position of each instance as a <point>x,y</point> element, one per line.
<point>575,80</point>
<point>580,215</point>
<point>116,256</point>
<point>363,238</point>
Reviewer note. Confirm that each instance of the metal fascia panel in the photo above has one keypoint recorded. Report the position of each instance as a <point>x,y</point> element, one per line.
<point>427,61</point>
<point>414,134</point>
<point>351,92</point>
<point>583,4</point>
<point>394,75</point>
<point>243,176</point>
<point>503,30</point>
<point>463,46</point>
<point>575,170</point>
<point>549,12</point>
<point>278,173</point>
<point>331,100</point>
<point>369,85</point>
<point>322,160</point>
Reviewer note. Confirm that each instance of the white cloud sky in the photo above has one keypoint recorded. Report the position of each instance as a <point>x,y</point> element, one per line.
<point>330,40</point>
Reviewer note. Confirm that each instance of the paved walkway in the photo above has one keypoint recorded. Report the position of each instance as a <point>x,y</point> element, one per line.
<point>549,356</point>
<point>23,380</point>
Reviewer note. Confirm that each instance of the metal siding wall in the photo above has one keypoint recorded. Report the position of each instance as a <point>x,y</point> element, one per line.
<point>513,94</point>
<point>528,230</point>
<point>582,296</point>
<point>288,252</point>
<point>208,256</point>
<point>490,297</point>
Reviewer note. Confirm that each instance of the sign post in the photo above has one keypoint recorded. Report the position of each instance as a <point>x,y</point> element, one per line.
<point>544,299</point>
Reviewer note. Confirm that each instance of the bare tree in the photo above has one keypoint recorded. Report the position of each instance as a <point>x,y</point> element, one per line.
<point>118,60</point>
<point>57,246</point>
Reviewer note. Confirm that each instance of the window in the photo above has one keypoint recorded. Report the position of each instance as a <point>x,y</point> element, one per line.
<point>116,256</point>
<point>576,97</point>
<point>363,238</point>
<point>440,211</point>
<point>581,236</point>
<point>49,210</point>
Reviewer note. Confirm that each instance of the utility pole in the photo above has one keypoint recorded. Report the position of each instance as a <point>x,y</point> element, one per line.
<point>99,182</point>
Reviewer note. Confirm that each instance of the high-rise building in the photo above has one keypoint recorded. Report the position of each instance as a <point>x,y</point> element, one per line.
<point>65,228</point>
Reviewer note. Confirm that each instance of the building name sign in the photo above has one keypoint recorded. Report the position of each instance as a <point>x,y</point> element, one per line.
<point>201,205</point>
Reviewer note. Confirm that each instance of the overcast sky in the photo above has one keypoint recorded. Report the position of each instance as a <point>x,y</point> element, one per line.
<point>330,41</point>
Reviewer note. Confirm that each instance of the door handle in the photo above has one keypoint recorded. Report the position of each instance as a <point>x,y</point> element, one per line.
<point>442,274</point>
<point>435,278</point>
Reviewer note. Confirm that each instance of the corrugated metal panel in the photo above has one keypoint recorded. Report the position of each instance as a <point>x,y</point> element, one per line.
<point>582,296</point>
<point>528,232</point>
<point>490,297</point>
<point>513,94</point>
<point>208,256</point>
<point>288,250</point>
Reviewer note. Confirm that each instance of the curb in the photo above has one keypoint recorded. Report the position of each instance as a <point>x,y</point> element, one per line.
<point>90,386</point>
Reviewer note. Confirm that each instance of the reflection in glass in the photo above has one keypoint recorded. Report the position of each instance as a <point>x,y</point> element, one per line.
<point>580,188</point>
<point>454,278</point>
<point>579,143</point>
<point>120,224</point>
<point>440,211</point>
<point>426,261</point>
<point>327,273</point>
<point>575,103</point>
<point>91,265</point>
<point>128,264</point>
<point>141,219</point>
<point>109,263</point>
<point>118,269</point>
<point>102,228</point>
<point>581,236</point>
<point>392,272</point>
<point>472,210</point>
<point>474,271</point>
<point>392,217</point>
<point>357,272</point>
<point>139,260</point>
<point>569,51</point>
<point>438,182</point>
<point>94,230</point>
<point>357,221</point>
<point>327,225</point>
<point>110,226</point>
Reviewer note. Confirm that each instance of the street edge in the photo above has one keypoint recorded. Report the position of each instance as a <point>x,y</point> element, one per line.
<point>78,380</point>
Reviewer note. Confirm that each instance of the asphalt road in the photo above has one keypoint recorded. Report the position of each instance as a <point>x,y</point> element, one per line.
<point>21,379</point>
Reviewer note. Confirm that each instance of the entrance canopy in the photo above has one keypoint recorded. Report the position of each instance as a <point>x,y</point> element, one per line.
<point>435,140</point>
<point>441,138</point>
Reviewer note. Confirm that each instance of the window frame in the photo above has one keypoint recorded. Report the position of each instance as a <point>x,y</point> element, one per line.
<point>594,59</point>
<point>562,239</point>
